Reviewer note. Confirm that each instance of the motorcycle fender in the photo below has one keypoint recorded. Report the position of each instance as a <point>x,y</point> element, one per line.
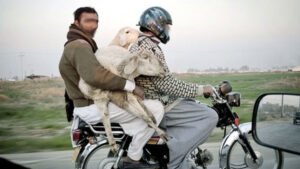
<point>87,150</point>
<point>228,141</point>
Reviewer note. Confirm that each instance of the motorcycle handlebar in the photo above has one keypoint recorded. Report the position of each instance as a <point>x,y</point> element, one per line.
<point>215,94</point>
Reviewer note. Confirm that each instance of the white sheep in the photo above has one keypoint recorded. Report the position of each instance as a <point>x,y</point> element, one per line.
<point>121,62</point>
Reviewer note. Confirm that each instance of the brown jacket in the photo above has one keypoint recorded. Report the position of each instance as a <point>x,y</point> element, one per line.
<point>78,60</point>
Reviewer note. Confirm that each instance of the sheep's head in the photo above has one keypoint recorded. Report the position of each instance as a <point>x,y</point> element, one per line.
<point>125,37</point>
<point>145,63</point>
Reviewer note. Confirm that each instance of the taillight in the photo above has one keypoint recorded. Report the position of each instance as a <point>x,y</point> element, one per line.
<point>76,135</point>
<point>153,140</point>
<point>236,121</point>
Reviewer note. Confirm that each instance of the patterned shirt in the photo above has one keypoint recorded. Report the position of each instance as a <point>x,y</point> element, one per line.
<point>168,88</point>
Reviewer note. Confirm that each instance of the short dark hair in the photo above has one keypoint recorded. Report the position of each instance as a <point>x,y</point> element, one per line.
<point>80,10</point>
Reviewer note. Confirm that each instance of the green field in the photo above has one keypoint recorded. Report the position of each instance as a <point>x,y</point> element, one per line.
<point>32,116</point>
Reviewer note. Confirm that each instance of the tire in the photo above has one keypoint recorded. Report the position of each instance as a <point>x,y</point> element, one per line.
<point>99,158</point>
<point>238,159</point>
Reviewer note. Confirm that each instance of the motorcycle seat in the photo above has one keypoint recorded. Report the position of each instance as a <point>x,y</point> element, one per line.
<point>99,126</point>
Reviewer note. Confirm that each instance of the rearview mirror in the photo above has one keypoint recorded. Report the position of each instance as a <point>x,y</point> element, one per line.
<point>276,121</point>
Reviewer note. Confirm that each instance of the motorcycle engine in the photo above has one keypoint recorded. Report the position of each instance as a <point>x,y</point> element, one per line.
<point>201,157</point>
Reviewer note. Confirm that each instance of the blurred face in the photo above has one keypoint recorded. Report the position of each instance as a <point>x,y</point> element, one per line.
<point>88,22</point>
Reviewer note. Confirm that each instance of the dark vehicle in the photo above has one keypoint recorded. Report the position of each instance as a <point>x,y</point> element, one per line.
<point>297,118</point>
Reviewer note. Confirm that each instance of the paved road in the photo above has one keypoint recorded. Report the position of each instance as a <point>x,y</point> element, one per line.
<point>62,159</point>
<point>277,133</point>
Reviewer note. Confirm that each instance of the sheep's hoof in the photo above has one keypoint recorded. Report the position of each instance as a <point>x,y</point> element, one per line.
<point>153,119</point>
<point>114,148</point>
<point>165,137</point>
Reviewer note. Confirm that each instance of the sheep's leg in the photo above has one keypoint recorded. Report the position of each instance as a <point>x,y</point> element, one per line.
<point>133,106</point>
<point>89,91</point>
<point>103,107</point>
<point>84,87</point>
<point>146,110</point>
<point>130,103</point>
<point>140,114</point>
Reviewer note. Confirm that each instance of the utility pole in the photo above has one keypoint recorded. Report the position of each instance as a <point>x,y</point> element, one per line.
<point>282,106</point>
<point>21,57</point>
<point>299,104</point>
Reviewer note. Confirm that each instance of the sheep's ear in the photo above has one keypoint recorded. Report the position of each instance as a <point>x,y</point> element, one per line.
<point>123,40</point>
<point>131,66</point>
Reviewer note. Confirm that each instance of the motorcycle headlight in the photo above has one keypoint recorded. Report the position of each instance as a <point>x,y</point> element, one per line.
<point>234,99</point>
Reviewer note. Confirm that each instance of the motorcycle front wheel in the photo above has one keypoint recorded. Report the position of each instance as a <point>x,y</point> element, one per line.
<point>100,158</point>
<point>239,158</point>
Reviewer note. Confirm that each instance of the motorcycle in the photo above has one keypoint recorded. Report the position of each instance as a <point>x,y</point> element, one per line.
<point>94,151</point>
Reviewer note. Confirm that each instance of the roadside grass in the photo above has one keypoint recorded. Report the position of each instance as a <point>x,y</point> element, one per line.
<point>250,85</point>
<point>24,145</point>
<point>32,115</point>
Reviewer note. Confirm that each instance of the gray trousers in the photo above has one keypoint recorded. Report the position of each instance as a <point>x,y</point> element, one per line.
<point>188,124</point>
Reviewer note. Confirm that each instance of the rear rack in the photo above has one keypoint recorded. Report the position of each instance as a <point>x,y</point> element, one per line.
<point>117,131</point>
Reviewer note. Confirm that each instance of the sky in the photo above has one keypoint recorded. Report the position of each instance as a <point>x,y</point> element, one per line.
<point>205,33</point>
<point>288,100</point>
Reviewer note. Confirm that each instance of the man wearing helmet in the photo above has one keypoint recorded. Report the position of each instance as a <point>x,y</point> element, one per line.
<point>187,122</point>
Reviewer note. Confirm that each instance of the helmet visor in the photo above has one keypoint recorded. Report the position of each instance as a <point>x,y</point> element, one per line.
<point>167,29</point>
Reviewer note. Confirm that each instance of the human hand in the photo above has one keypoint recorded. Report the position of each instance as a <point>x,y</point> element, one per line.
<point>139,92</point>
<point>208,91</point>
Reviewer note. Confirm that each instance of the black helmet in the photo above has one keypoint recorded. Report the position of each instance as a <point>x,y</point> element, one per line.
<point>155,20</point>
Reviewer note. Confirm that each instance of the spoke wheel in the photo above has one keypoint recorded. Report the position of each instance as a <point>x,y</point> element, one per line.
<point>267,157</point>
<point>100,158</point>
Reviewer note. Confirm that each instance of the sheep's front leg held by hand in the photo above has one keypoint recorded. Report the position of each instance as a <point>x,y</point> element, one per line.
<point>84,87</point>
<point>132,105</point>
<point>129,102</point>
<point>146,109</point>
<point>103,107</point>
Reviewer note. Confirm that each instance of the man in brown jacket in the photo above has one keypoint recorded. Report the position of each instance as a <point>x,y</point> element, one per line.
<point>78,61</point>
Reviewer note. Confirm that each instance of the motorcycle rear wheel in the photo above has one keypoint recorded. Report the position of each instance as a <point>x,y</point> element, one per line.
<point>267,157</point>
<point>100,158</point>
